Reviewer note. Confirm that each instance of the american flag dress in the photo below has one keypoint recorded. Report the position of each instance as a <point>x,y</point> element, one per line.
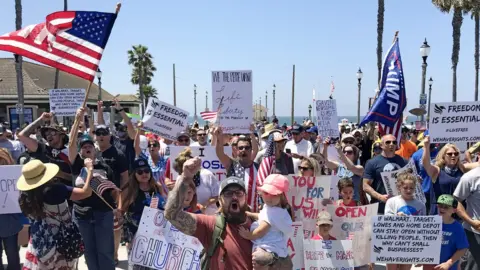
<point>41,252</point>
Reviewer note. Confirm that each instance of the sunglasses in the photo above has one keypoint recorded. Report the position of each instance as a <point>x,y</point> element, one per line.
<point>348,152</point>
<point>391,142</point>
<point>301,168</point>
<point>244,148</point>
<point>153,145</point>
<point>51,133</point>
<point>184,141</point>
<point>201,134</point>
<point>349,142</point>
<point>454,154</point>
<point>102,133</point>
<point>142,171</point>
<point>230,193</point>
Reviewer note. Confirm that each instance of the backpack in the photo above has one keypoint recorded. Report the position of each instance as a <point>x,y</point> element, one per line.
<point>217,239</point>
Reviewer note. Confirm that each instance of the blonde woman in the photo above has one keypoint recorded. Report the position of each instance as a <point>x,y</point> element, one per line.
<point>446,172</point>
<point>309,167</point>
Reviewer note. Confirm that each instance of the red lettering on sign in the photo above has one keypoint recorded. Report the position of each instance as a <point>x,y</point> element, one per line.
<point>300,202</point>
<point>351,212</point>
<point>219,174</point>
<point>301,181</point>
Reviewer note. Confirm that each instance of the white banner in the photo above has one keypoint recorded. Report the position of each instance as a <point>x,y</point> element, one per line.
<point>327,119</point>
<point>354,223</point>
<point>234,89</point>
<point>164,119</point>
<point>406,239</point>
<point>295,246</point>
<point>8,189</point>
<point>65,102</point>
<point>390,182</point>
<point>209,159</point>
<point>159,245</point>
<point>453,122</point>
<point>320,254</point>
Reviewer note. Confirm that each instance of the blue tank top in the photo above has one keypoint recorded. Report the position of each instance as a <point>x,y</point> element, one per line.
<point>446,184</point>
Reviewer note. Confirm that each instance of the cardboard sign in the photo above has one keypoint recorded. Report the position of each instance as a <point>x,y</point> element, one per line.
<point>65,102</point>
<point>8,189</point>
<point>159,245</point>
<point>233,91</point>
<point>164,119</point>
<point>306,195</point>
<point>406,239</point>
<point>320,254</point>
<point>453,122</point>
<point>390,181</point>
<point>327,119</point>
<point>209,159</point>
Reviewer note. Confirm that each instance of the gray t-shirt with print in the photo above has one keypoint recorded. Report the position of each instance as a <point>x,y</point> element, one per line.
<point>469,189</point>
<point>410,208</point>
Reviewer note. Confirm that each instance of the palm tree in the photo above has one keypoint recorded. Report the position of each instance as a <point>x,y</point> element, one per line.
<point>476,17</point>
<point>148,91</point>
<point>380,19</point>
<point>143,68</point>
<point>459,7</point>
<point>18,63</point>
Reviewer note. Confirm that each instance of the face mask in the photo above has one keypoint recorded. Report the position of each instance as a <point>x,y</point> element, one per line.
<point>121,134</point>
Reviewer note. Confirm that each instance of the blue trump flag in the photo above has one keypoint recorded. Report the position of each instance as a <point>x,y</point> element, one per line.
<point>391,101</point>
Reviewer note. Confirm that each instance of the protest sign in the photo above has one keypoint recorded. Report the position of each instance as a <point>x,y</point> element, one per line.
<point>8,189</point>
<point>65,102</point>
<point>320,254</point>
<point>164,119</point>
<point>390,181</point>
<point>209,159</point>
<point>232,91</point>
<point>106,118</point>
<point>406,239</point>
<point>306,195</point>
<point>453,122</point>
<point>159,245</point>
<point>327,119</point>
<point>295,246</point>
<point>354,223</point>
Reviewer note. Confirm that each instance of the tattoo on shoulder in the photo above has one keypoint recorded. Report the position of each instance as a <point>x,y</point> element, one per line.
<point>183,221</point>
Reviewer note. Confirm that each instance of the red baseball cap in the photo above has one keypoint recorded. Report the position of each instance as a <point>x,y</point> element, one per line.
<point>275,184</point>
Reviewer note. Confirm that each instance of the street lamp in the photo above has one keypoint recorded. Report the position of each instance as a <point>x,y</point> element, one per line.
<point>359,77</point>
<point>99,77</point>
<point>261,111</point>
<point>274,100</point>
<point>310,112</point>
<point>206,101</point>
<point>430,83</point>
<point>195,101</point>
<point>424,52</point>
<point>266,105</point>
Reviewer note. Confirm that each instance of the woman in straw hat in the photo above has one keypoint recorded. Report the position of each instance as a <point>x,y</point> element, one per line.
<point>45,203</point>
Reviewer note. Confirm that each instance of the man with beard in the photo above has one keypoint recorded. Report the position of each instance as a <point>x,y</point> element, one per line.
<point>242,166</point>
<point>233,252</point>
<point>54,151</point>
<point>201,138</point>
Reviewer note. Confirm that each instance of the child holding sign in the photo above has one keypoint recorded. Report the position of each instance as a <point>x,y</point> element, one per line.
<point>454,241</point>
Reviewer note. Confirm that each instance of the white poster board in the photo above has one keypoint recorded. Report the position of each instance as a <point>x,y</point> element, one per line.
<point>327,119</point>
<point>390,179</point>
<point>209,158</point>
<point>159,245</point>
<point>106,118</point>
<point>295,246</point>
<point>8,189</point>
<point>454,122</point>
<point>234,89</point>
<point>306,195</point>
<point>164,119</point>
<point>320,254</point>
<point>65,102</point>
<point>406,239</point>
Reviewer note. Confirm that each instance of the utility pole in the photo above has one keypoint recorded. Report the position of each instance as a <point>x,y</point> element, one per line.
<point>266,104</point>
<point>195,117</point>
<point>274,100</point>
<point>174,88</point>
<point>293,96</point>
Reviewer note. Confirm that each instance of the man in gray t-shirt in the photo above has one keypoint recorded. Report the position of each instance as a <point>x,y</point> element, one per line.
<point>14,147</point>
<point>468,189</point>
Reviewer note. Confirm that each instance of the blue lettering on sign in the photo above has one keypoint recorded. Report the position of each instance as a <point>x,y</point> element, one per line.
<point>212,164</point>
<point>327,244</point>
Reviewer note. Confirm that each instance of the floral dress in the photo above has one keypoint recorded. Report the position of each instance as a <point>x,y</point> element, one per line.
<point>41,251</point>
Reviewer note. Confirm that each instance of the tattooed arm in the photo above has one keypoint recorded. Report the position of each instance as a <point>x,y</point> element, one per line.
<point>24,135</point>
<point>183,221</point>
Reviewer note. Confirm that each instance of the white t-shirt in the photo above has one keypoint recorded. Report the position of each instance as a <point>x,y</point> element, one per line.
<point>209,187</point>
<point>468,189</point>
<point>280,230</point>
<point>198,144</point>
<point>303,148</point>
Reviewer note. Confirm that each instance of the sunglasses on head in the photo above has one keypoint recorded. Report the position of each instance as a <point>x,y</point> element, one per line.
<point>102,132</point>
<point>301,168</point>
<point>391,142</point>
<point>142,171</point>
<point>244,148</point>
<point>454,154</point>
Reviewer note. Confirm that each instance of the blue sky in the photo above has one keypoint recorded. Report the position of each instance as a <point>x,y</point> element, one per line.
<point>322,38</point>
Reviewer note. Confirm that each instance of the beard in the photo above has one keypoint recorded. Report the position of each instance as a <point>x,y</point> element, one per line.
<point>235,217</point>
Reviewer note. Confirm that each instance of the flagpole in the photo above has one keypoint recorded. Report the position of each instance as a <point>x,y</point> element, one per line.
<point>293,96</point>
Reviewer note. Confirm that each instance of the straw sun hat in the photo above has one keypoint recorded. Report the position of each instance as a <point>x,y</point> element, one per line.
<point>35,173</point>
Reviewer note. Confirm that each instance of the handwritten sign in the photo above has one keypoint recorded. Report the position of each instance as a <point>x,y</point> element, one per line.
<point>390,182</point>
<point>8,189</point>
<point>320,254</point>
<point>354,223</point>
<point>65,102</point>
<point>209,158</point>
<point>233,91</point>
<point>159,245</point>
<point>295,246</point>
<point>164,119</point>
<point>406,239</point>
<point>306,195</point>
<point>327,119</point>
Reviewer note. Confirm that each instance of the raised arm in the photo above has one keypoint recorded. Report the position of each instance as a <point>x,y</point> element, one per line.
<point>126,119</point>
<point>72,143</point>
<point>431,170</point>
<point>100,120</point>
<point>136,142</point>
<point>224,159</point>
<point>80,193</point>
<point>356,169</point>
<point>24,135</point>
<point>332,165</point>
<point>183,221</point>
<point>254,141</point>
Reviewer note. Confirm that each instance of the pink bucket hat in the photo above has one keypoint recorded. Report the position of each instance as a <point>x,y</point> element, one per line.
<point>275,184</point>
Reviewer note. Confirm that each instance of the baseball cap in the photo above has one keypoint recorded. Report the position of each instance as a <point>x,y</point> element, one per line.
<point>324,218</point>
<point>296,129</point>
<point>84,140</point>
<point>140,163</point>
<point>278,137</point>
<point>183,134</point>
<point>347,136</point>
<point>447,199</point>
<point>104,127</point>
<point>231,181</point>
<point>275,184</point>
<point>313,129</point>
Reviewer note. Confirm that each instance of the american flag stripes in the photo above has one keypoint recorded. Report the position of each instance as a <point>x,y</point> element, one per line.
<point>100,185</point>
<point>72,41</point>
<point>395,130</point>
<point>209,116</point>
<point>268,161</point>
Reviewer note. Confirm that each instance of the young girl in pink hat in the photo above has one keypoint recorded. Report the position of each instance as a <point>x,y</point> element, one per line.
<point>273,227</point>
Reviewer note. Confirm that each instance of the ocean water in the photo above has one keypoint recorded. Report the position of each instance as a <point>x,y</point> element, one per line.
<point>299,119</point>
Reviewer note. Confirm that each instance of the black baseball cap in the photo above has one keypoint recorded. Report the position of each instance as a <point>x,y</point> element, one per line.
<point>296,129</point>
<point>84,139</point>
<point>232,181</point>
<point>104,127</point>
<point>183,134</point>
<point>140,163</point>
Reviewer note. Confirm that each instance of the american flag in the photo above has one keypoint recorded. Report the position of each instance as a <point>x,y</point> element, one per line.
<point>268,161</point>
<point>313,94</point>
<point>332,89</point>
<point>99,185</point>
<point>395,130</point>
<point>209,116</point>
<point>72,41</point>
